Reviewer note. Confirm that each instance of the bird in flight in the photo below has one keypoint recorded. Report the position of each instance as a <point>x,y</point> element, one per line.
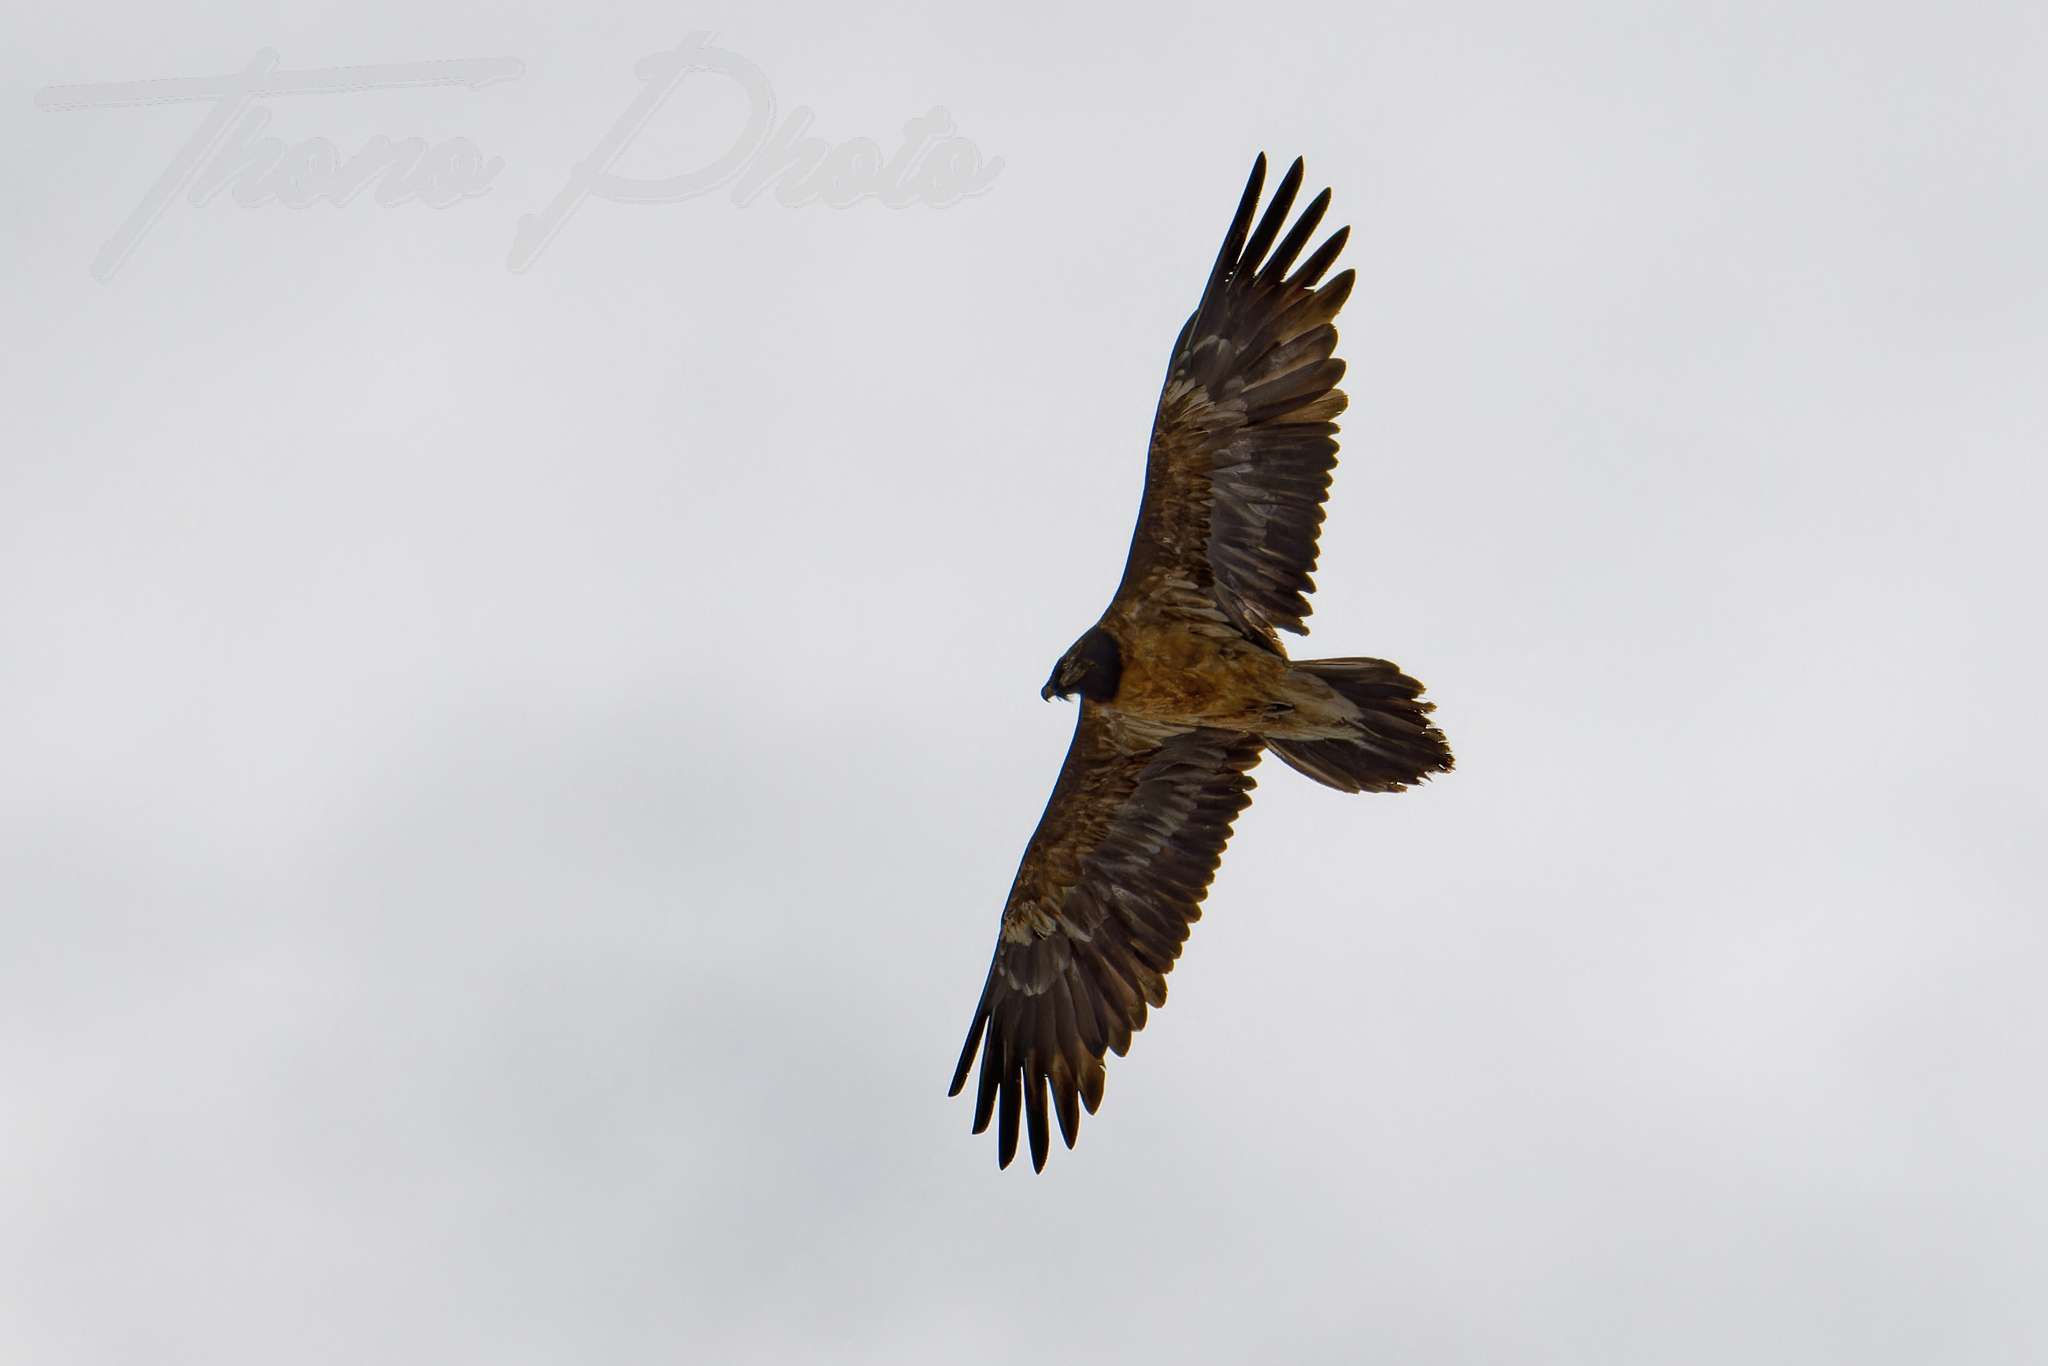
<point>1184,684</point>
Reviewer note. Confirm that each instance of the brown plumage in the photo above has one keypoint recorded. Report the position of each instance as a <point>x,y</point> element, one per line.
<point>1183,683</point>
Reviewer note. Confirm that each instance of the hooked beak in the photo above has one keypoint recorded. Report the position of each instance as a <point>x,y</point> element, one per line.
<point>1051,689</point>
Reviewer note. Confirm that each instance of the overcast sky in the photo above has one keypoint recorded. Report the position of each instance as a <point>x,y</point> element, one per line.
<point>508,778</point>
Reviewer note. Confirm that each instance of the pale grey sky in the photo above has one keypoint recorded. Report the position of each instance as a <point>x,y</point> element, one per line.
<point>509,778</point>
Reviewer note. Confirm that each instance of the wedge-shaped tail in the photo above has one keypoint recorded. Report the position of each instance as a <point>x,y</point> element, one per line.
<point>1395,745</point>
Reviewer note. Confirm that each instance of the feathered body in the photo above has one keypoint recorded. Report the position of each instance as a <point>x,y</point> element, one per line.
<point>1184,684</point>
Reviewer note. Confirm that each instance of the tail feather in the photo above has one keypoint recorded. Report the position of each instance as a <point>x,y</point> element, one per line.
<point>1395,745</point>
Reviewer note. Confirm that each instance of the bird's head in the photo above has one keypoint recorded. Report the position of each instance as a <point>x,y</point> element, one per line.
<point>1092,667</point>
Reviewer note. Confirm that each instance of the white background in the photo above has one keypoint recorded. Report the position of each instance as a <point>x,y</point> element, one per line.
<point>507,780</point>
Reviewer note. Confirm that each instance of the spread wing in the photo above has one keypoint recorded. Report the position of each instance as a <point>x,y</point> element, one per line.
<point>1245,437</point>
<point>1113,877</point>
